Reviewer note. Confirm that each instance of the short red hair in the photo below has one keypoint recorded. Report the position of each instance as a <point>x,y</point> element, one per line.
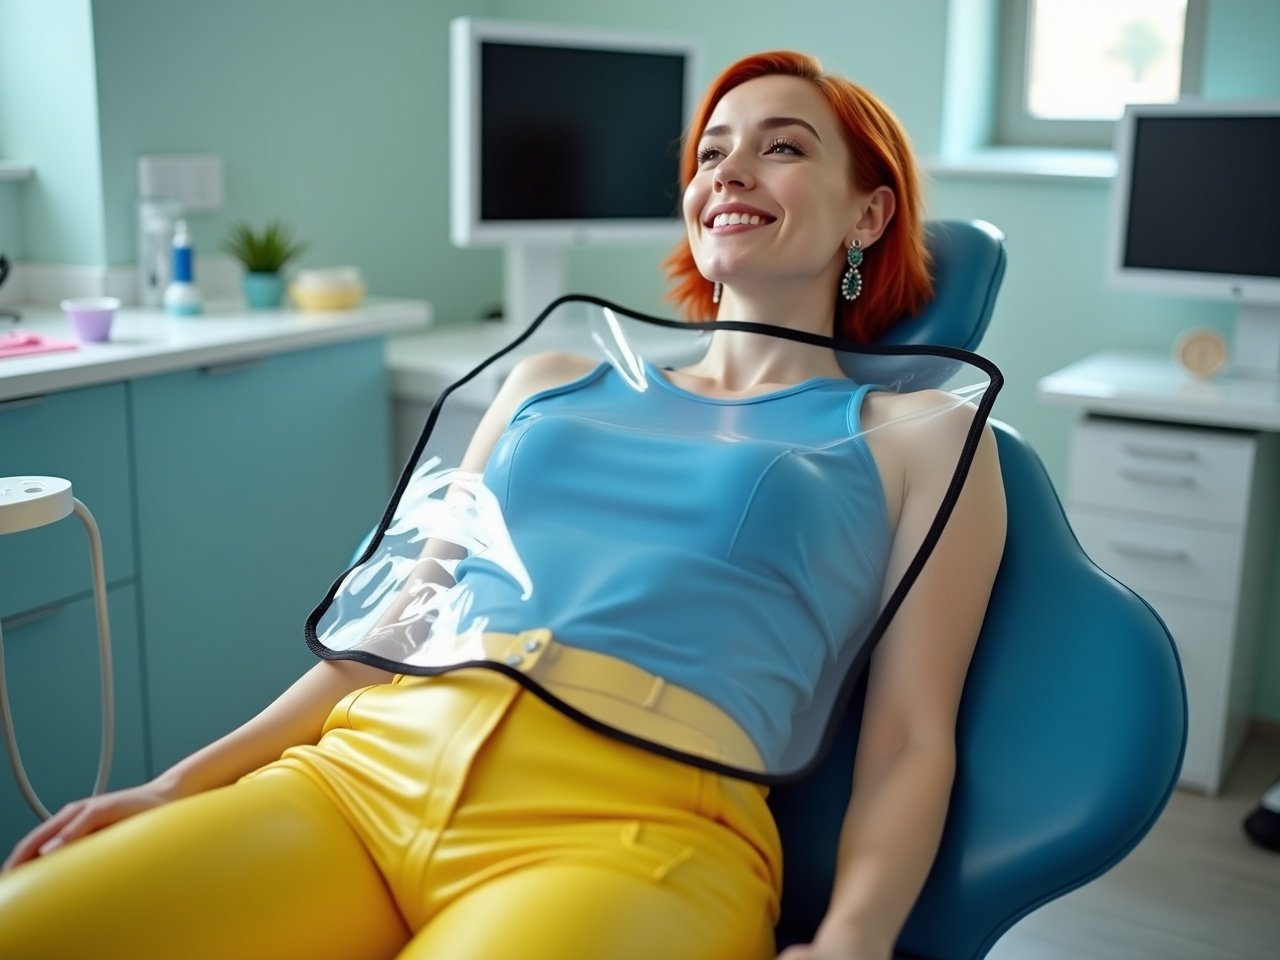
<point>896,281</point>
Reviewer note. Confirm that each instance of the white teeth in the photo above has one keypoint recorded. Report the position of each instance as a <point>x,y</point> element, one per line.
<point>729,219</point>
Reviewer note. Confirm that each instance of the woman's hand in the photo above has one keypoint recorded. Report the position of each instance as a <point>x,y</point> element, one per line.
<point>836,945</point>
<point>83,817</point>
<point>816,951</point>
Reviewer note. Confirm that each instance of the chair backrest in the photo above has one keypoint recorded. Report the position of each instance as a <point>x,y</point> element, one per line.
<point>1070,736</point>
<point>968,267</point>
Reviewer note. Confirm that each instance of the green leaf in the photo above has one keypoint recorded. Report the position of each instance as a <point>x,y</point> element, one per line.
<point>264,251</point>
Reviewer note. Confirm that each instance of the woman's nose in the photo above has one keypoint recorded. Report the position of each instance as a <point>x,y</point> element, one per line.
<point>733,172</point>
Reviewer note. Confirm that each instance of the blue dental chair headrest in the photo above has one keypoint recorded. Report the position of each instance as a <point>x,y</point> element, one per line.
<point>968,267</point>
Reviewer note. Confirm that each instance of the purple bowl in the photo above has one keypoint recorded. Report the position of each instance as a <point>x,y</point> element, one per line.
<point>91,317</point>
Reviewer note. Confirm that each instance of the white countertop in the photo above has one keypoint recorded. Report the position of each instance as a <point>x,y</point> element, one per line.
<point>423,364</point>
<point>145,342</point>
<point>1152,387</point>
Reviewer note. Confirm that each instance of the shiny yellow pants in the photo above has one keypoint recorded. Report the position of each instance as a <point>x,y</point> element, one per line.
<point>456,818</point>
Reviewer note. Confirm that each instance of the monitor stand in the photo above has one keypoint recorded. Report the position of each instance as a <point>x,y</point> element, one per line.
<point>532,277</point>
<point>1255,347</point>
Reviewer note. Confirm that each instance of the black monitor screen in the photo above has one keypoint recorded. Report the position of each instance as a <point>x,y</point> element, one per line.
<point>579,134</point>
<point>1204,195</point>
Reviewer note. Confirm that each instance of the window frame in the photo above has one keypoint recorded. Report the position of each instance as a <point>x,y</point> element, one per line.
<point>1015,126</point>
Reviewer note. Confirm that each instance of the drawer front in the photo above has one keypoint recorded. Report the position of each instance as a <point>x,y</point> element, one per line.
<point>83,436</point>
<point>1174,471</point>
<point>1162,558</point>
<point>1203,635</point>
<point>51,663</point>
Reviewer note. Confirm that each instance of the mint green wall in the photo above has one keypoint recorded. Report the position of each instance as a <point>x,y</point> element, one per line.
<point>332,115</point>
<point>968,98</point>
<point>48,117</point>
<point>1241,39</point>
<point>12,233</point>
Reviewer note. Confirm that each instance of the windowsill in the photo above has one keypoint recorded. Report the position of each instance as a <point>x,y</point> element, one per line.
<point>12,170</point>
<point>1025,163</point>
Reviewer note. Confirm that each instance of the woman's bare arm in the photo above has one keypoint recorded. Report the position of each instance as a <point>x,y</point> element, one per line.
<point>295,717</point>
<point>905,763</point>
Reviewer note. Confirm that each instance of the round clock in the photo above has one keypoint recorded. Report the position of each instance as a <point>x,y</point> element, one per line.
<point>1201,352</point>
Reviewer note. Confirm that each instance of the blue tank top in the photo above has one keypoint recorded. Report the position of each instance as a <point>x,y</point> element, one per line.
<point>730,546</point>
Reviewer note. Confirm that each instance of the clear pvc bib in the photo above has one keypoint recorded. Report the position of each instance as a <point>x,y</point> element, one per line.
<point>692,566</point>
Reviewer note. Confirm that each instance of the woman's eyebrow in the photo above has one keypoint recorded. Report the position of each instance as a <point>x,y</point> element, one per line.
<point>768,123</point>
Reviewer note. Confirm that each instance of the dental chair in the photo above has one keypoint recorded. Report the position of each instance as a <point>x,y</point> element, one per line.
<point>1073,721</point>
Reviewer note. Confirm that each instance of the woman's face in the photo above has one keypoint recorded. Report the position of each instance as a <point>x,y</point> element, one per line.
<point>773,200</point>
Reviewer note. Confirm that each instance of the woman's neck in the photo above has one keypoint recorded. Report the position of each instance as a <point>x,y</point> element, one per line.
<point>746,361</point>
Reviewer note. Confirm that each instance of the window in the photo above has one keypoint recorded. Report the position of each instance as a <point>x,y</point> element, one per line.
<point>1068,67</point>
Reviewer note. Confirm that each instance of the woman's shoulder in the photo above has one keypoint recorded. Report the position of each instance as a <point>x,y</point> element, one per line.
<point>917,439</point>
<point>920,414</point>
<point>545,371</point>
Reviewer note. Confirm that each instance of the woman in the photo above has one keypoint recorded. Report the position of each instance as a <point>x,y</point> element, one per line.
<point>456,816</point>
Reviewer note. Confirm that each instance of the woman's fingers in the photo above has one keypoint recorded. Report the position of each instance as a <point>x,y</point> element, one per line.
<point>82,818</point>
<point>31,845</point>
<point>87,818</point>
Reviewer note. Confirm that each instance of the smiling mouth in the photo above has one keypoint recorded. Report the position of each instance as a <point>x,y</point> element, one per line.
<point>736,219</point>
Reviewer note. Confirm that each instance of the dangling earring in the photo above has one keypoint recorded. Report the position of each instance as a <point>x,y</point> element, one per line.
<point>715,292</point>
<point>851,284</point>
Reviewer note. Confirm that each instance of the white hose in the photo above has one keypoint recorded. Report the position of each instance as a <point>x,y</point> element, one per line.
<point>108,699</point>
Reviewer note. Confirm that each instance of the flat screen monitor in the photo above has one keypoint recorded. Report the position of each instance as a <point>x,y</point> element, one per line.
<point>563,136</point>
<point>1196,213</point>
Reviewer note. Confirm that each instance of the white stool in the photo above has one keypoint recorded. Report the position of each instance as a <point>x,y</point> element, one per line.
<point>27,503</point>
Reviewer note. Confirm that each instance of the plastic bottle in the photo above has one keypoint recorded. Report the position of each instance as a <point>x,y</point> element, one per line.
<point>182,296</point>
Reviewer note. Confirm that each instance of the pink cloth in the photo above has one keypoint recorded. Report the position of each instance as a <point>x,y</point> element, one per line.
<point>20,343</point>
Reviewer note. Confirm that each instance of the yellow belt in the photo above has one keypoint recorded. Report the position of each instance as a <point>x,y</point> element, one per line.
<point>626,697</point>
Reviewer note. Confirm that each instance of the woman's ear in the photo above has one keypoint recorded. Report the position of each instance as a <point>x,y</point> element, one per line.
<point>876,212</point>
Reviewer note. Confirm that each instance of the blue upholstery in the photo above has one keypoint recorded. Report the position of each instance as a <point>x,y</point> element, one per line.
<point>968,266</point>
<point>1073,721</point>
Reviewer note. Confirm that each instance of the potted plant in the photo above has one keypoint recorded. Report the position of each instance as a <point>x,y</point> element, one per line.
<point>264,254</point>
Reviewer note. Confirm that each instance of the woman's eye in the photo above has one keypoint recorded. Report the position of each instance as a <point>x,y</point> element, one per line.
<point>708,153</point>
<point>785,145</point>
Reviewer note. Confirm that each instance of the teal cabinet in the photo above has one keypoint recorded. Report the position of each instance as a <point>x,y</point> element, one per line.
<point>51,664</point>
<point>46,602</point>
<point>229,499</point>
<point>82,436</point>
<point>254,484</point>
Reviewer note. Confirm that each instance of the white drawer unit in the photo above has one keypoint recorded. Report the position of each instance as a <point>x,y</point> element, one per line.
<point>1176,471</point>
<point>1185,516</point>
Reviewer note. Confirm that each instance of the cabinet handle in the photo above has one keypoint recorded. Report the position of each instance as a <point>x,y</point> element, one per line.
<point>231,366</point>
<point>1147,552</point>
<point>1158,477</point>
<point>1153,452</point>
<point>18,403</point>
<point>17,622</point>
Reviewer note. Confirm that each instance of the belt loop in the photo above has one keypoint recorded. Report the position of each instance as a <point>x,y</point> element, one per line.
<point>655,692</point>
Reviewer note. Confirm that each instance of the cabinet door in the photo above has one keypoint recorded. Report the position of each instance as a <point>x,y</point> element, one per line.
<point>82,436</point>
<point>51,665</point>
<point>255,483</point>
